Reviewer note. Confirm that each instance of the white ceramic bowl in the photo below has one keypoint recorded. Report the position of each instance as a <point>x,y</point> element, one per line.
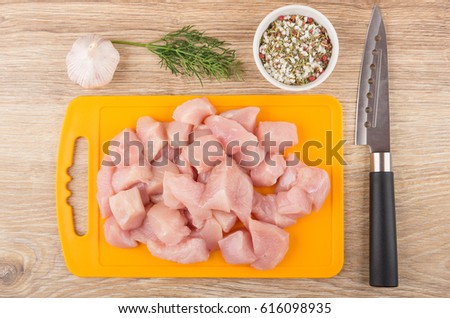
<point>296,10</point>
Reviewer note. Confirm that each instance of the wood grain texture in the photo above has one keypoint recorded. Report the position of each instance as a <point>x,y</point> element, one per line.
<point>34,91</point>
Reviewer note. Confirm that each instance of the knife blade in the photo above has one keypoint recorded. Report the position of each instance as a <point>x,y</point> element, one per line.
<point>373,129</point>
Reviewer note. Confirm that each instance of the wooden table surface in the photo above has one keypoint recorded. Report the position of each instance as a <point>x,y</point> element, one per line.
<point>35,37</point>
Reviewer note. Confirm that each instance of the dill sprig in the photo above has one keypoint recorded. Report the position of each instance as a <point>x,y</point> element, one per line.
<point>190,52</point>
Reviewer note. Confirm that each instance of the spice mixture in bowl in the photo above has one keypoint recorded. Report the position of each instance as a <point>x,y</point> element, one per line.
<point>295,48</point>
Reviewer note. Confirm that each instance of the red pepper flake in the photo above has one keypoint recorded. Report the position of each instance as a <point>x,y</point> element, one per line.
<point>292,18</point>
<point>324,58</point>
<point>311,78</point>
<point>310,20</point>
<point>262,56</point>
<point>281,17</point>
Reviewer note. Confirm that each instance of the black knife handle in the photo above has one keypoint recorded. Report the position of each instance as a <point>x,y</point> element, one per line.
<point>383,237</point>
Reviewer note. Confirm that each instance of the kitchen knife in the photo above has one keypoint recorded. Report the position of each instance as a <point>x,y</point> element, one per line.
<point>372,129</point>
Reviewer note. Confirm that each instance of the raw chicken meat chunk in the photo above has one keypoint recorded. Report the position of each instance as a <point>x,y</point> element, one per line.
<point>181,188</point>
<point>211,233</point>
<point>156,198</point>
<point>242,195</point>
<point>203,177</point>
<point>200,131</point>
<point>159,168</point>
<point>229,189</point>
<point>294,201</point>
<point>237,248</point>
<point>126,149</point>
<point>143,192</point>
<point>265,208</point>
<point>169,225</point>
<point>250,155</point>
<point>270,244</point>
<point>245,116</point>
<point>117,237</point>
<point>144,232</point>
<point>282,134</point>
<point>153,136</point>
<point>204,153</point>
<point>226,219</point>
<point>127,208</point>
<point>168,197</point>
<point>218,192</point>
<point>316,183</point>
<point>190,220</point>
<point>168,152</point>
<point>194,111</point>
<point>178,133</point>
<point>190,250</point>
<point>268,172</point>
<point>125,177</point>
<point>289,177</point>
<point>287,180</point>
<point>230,133</point>
<point>185,167</point>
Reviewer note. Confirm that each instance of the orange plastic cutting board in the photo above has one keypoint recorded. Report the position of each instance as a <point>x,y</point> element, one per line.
<point>316,241</point>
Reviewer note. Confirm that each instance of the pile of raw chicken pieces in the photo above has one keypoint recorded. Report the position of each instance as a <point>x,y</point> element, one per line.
<point>167,195</point>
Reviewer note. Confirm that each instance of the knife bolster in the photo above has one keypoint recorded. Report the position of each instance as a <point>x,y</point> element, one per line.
<point>380,162</point>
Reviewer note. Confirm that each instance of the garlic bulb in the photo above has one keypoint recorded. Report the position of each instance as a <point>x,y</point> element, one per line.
<point>92,61</point>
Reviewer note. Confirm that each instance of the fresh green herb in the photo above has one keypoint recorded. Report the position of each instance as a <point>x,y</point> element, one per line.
<point>189,52</point>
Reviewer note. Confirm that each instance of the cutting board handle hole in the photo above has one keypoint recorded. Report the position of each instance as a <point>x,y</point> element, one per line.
<point>78,186</point>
